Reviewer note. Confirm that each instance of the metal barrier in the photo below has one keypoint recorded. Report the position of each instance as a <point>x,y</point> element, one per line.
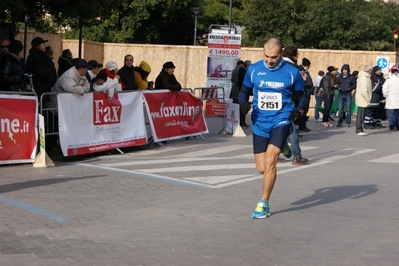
<point>213,93</point>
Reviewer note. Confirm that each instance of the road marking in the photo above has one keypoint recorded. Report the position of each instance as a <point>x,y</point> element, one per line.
<point>209,179</point>
<point>144,175</point>
<point>199,168</point>
<point>394,158</point>
<point>160,161</point>
<point>216,150</point>
<point>34,209</point>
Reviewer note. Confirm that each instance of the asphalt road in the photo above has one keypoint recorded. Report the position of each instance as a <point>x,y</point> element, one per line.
<point>190,202</point>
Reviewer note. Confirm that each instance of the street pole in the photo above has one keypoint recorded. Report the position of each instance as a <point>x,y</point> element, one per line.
<point>195,30</point>
<point>230,12</point>
<point>196,11</point>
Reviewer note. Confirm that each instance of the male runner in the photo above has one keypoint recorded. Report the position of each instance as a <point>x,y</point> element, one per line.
<point>271,82</point>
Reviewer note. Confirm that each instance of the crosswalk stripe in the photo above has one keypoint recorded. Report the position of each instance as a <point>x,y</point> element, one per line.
<point>394,158</point>
<point>200,168</point>
<point>158,161</point>
<point>217,179</point>
<point>216,150</point>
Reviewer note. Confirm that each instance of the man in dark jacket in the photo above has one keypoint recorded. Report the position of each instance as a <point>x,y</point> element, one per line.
<point>41,67</point>
<point>65,62</point>
<point>347,83</point>
<point>304,98</point>
<point>328,86</point>
<point>166,79</point>
<point>13,76</point>
<point>126,73</point>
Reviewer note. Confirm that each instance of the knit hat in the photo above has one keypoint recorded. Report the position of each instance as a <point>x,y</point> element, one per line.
<point>305,62</point>
<point>331,68</point>
<point>101,75</point>
<point>15,46</point>
<point>81,63</point>
<point>169,64</point>
<point>37,41</point>
<point>111,65</point>
<point>321,73</point>
<point>394,71</point>
<point>145,66</point>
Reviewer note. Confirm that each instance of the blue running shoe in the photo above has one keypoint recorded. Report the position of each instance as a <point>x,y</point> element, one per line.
<point>261,211</point>
<point>287,151</point>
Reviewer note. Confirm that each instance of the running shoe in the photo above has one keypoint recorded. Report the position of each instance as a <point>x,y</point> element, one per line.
<point>261,211</point>
<point>287,151</point>
<point>299,160</point>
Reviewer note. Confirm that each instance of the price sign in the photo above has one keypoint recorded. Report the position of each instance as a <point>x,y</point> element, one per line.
<point>215,52</point>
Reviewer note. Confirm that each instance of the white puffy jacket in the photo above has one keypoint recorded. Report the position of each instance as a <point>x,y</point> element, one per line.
<point>390,90</point>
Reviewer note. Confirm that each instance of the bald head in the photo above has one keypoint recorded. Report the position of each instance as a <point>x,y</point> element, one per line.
<point>272,51</point>
<point>273,43</point>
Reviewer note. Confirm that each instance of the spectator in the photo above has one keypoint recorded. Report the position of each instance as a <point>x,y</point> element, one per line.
<point>329,86</point>
<point>141,74</point>
<point>304,99</point>
<point>113,81</point>
<point>50,52</point>
<point>355,74</point>
<point>126,74</point>
<point>13,76</point>
<point>65,62</point>
<point>92,69</point>
<point>166,79</point>
<point>363,97</point>
<point>100,84</point>
<point>290,55</point>
<point>74,79</point>
<point>235,87</point>
<point>241,75</point>
<point>347,83</point>
<point>318,94</point>
<point>390,90</point>
<point>4,46</point>
<point>41,67</point>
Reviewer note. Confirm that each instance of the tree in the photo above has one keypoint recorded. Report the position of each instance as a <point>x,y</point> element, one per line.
<point>328,24</point>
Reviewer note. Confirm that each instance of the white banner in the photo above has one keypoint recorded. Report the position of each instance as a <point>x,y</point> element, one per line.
<point>92,123</point>
<point>224,50</point>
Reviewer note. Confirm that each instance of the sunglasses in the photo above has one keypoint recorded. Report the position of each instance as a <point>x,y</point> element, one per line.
<point>4,46</point>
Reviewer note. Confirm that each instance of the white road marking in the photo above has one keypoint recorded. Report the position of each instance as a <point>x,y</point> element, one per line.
<point>394,158</point>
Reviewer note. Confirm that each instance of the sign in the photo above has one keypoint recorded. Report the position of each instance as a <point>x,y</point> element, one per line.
<point>92,123</point>
<point>173,115</point>
<point>18,128</point>
<point>224,50</point>
<point>383,63</point>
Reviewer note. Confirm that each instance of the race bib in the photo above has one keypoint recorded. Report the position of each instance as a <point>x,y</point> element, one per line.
<point>270,101</point>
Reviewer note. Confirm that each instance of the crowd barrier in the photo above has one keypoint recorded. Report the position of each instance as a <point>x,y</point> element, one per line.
<point>215,105</point>
<point>93,123</point>
<point>18,127</point>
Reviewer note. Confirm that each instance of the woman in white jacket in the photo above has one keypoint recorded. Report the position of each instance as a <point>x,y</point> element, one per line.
<point>390,90</point>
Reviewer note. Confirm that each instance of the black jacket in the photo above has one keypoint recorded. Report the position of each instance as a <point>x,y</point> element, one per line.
<point>42,68</point>
<point>166,81</point>
<point>12,73</point>
<point>127,75</point>
<point>64,64</point>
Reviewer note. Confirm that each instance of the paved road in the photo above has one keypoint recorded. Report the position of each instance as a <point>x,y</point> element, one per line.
<point>189,203</point>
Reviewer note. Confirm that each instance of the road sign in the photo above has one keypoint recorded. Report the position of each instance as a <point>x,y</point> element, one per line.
<point>383,63</point>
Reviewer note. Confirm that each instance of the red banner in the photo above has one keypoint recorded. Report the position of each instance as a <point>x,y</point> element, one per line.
<point>18,132</point>
<point>174,115</point>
